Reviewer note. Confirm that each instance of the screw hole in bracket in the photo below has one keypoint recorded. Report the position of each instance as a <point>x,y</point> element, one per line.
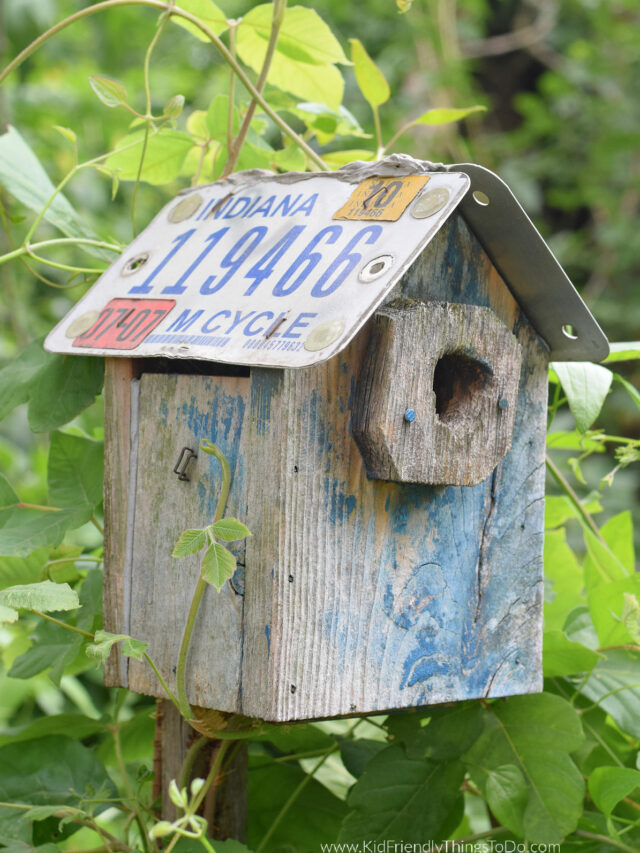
<point>375,268</point>
<point>569,331</point>
<point>481,198</point>
<point>134,264</point>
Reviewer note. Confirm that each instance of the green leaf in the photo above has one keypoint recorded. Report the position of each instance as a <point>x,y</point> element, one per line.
<point>24,178</point>
<point>606,604</point>
<point>68,134</point>
<point>74,472</point>
<point>207,12</point>
<point>197,124</point>
<point>296,738</point>
<point>8,614</point>
<point>135,736</point>
<point>48,771</point>
<point>303,62</point>
<point>8,498</point>
<point>325,122</point>
<point>174,106</point>
<point>630,616</point>
<point>104,641</point>
<point>536,734</point>
<point>23,530</point>
<point>45,596</point>
<point>217,119</point>
<point>336,159</point>
<point>602,565</point>
<point>75,726</point>
<point>507,792</point>
<point>603,741</point>
<point>315,813</point>
<point>356,754</point>
<point>63,389</point>
<point>564,581</point>
<point>251,157</point>
<point>163,159</point>
<point>561,656</point>
<point>586,386</point>
<point>289,159</point>
<point>446,115</point>
<point>369,77</point>
<point>400,797</point>
<point>629,351</point>
<point>230,529</point>
<point>579,628</point>
<point>27,529</point>
<point>615,685</point>
<point>110,92</point>
<point>609,785</point>
<point>574,440</point>
<point>56,648</point>
<point>218,565</point>
<point>304,37</point>
<point>617,532</point>
<point>53,648</point>
<point>190,542</point>
<point>558,509</point>
<point>631,390</point>
<point>17,376</point>
<point>445,733</point>
<point>43,812</point>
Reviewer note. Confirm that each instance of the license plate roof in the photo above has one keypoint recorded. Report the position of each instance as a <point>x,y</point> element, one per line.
<point>270,272</point>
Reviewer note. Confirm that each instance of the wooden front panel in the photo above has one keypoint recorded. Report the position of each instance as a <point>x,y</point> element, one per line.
<point>175,411</point>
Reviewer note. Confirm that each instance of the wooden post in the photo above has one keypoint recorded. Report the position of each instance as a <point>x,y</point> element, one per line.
<point>225,806</point>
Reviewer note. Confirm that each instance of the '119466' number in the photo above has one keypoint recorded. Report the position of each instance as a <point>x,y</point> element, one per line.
<point>244,248</point>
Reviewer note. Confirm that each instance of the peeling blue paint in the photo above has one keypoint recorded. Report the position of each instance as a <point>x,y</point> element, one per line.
<point>267,384</point>
<point>339,505</point>
<point>267,633</point>
<point>164,412</point>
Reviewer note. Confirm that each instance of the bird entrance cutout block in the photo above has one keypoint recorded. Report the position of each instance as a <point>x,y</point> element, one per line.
<point>369,348</point>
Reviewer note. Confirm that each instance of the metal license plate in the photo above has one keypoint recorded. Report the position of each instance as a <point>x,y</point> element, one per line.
<point>270,272</point>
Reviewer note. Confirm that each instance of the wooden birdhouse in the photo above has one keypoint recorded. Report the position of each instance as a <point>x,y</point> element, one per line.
<point>369,348</point>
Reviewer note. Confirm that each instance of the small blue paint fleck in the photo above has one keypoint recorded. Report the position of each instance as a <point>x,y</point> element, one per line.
<point>164,412</point>
<point>350,504</point>
<point>388,599</point>
<point>410,416</point>
<point>426,669</point>
<point>267,633</point>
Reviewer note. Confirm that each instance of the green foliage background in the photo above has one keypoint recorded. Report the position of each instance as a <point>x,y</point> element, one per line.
<point>559,81</point>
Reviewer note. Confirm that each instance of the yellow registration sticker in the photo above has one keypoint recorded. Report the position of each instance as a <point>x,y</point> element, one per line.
<point>382,198</point>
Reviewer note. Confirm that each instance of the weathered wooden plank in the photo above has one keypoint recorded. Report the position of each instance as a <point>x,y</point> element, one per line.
<point>432,400</point>
<point>119,374</point>
<point>177,411</point>
<point>364,595</point>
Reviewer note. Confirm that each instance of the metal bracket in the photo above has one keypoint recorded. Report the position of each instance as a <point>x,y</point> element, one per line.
<point>186,455</point>
<point>530,269</point>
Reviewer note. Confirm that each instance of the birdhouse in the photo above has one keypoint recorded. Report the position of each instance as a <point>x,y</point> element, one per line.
<point>369,349</point>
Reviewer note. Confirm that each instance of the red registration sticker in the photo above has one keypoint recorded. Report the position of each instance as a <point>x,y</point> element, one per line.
<point>125,323</point>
